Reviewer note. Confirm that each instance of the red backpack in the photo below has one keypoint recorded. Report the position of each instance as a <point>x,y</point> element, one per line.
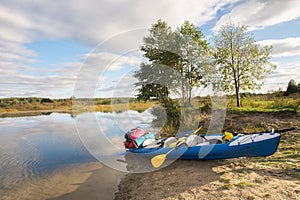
<point>129,144</point>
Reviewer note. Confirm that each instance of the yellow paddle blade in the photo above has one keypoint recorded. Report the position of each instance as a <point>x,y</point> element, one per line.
<point>158,160</point>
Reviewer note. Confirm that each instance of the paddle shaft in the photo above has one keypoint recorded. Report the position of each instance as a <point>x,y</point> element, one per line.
<point>158,160</point>
<point>271,131</point>
<point>177,145</point>
<point>284,130</point>
<point>180,143</point>
<point>188,133</point>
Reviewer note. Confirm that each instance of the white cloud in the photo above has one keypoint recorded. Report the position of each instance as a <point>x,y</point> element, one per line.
<point>92,21</point>
<point>117,84</point>
<point>258,14</point>
<point>85,21</point>
<point>110,61</point>
<point>101,69</point>
<point>18,82</point>
<point>284,47</point>
<point>125,86</point>
<point>286,70</point>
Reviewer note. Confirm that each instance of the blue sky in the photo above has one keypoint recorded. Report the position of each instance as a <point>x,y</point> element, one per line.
<point>53,49</point>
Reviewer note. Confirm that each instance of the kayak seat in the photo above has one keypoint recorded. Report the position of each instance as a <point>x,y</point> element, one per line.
<point>194,140</point>
<point>155,144</point>
<point>169,141</point>
<point>215,141</point>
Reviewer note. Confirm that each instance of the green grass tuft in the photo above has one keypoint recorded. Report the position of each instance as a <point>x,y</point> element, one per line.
<point>243,185</point>
<point>225,180</point>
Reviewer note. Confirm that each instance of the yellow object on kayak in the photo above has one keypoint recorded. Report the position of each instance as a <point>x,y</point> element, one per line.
<point>227,137</point>
<point>175,143</point>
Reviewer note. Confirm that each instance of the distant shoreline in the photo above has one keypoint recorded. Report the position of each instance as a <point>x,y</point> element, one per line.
<point>31,113</point>
<point>14,107</point>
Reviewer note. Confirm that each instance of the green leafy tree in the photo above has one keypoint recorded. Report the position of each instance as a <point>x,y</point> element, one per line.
<point>178,58</point>
<point>242,62</point>
<point>157,77</point>
<point>153,73</point>
<point>194,58</point>
<point>173,66</point>
<point>292,87</point>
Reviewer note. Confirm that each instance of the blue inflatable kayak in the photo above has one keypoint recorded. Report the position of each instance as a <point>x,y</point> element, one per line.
<point>259,144</point>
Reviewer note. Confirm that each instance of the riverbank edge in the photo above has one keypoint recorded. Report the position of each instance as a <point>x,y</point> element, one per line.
<point>32,113</point>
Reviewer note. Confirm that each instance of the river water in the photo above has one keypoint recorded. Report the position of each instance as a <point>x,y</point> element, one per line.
<point>32,148</point>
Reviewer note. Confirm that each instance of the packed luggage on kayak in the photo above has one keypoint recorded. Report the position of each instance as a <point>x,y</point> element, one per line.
<point>139,138</point>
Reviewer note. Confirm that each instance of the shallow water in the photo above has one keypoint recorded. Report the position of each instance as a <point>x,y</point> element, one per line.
<point>31,148</point>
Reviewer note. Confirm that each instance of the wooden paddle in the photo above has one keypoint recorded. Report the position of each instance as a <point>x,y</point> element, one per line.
<point>158,160</point>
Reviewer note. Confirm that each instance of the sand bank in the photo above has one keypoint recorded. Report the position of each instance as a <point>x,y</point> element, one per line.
<point>230,179</point>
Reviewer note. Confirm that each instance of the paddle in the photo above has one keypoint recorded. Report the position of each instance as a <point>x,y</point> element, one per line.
<point>282,130</point>
<point>270,131</point>
<point>158,160</point>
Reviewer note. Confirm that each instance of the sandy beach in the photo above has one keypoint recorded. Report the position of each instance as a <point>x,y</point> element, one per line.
<point>228,179</point>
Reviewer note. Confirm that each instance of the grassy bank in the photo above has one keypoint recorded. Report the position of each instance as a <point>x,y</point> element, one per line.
<point>200,112</point>
<point>275,102</point>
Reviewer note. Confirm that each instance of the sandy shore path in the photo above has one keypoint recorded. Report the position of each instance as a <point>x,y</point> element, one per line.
<point>177,178</point>
<point>229,179</point>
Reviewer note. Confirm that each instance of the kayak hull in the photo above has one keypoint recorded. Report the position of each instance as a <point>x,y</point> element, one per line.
<point>255,145</point>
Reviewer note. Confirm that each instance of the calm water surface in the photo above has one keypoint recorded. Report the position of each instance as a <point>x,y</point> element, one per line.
<point>31,147</point>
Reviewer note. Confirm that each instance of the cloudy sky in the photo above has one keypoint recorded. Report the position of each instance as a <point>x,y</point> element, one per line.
<point>50,48</point>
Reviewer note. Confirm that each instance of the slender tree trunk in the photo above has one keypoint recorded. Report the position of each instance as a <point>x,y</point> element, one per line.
<point>237,88</point>
<point>237,94</point>
<point>235,73</point>
<point>182,90</point>
<point>190,95</point>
